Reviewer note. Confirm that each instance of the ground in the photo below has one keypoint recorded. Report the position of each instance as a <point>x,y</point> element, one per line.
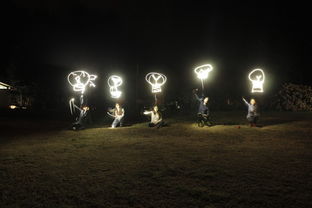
<point>42,164</point>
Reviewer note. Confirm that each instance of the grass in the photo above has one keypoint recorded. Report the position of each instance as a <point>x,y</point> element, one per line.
<point>177,166</point>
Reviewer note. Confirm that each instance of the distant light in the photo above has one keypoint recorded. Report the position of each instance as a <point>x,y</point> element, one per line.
<point>203,71</point>
<point>257,78</point>
<point>79,80</point>
<point>114,82</point>
<point>12,107</point>
<point>156,80</point>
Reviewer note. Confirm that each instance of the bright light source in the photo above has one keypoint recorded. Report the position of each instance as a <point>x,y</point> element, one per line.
<point>257,78</point>
<point>79,80</point>
<point>12,107</point>
<point>114,82</point>
<point>203,71</point>
<point>156,80</point>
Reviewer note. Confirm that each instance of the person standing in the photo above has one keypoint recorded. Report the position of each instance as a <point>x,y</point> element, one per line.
<point>252,115</point>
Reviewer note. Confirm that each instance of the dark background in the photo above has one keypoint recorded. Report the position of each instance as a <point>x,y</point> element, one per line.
<point>42,41</point>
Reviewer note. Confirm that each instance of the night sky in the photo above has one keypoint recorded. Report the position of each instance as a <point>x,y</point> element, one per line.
<point>42,41</point>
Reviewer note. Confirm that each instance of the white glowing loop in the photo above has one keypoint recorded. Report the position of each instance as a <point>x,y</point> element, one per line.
<point>79,80</point>
<point>114,82</point>
<point>257,78</point>
<point>203,71</point>
<point>156,80</point>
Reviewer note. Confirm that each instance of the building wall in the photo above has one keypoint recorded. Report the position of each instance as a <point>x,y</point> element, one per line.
<point>4,98</point>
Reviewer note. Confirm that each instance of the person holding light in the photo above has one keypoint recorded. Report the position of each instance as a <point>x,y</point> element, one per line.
<point>252,115</point>
<point>118,114</point>
<point>156,118</point>
<point>203,114</point>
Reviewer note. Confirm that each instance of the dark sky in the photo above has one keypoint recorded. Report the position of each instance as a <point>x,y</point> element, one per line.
<point>168,36</point>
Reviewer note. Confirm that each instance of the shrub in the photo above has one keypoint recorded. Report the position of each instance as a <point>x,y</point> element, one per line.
<point>292,97</point>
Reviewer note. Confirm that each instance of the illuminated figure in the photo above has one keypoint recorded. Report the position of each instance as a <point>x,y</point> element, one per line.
<point>79,80</point>
<point>257,78</point>
<point>203,72</point>
<point>118,114</point>
<point>203,114</point>
<point>252,115</point>
<point>114,82</point>
<point>156,118</point>
<point>156,80</point>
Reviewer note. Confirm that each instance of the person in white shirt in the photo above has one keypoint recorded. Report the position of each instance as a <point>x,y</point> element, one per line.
<point>156,117</point>
<point>118,114</point>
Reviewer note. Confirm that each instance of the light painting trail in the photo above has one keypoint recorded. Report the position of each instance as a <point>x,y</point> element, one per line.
<point>114,82</point>
<point>156,80</point>
<point>79,80</point>
<point>257,78</point>
<point>203,72</point>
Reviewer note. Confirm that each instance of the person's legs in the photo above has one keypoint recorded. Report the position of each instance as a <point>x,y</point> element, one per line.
<point>151,125</point>
<point>206,119</point>
<point>79,123</point>
<point>121,122</point>
<point>209,123</point>
<point>256,118</point>
<point>160,124</point>
<point>250,120</point>
<point>253,120</point>
<point>115,123</point>
<point>200,120</point>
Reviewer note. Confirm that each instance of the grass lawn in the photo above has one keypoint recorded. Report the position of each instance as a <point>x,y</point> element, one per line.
<point>42,164</point>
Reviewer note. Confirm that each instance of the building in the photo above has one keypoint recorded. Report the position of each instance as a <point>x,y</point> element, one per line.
<point>12,98</point>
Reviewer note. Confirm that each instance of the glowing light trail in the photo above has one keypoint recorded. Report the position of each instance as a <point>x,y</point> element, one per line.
<point>203,72</point>
<point>114,82</point>
<point>156,80</point>
<point>79,80</point>
<point>257,78</point>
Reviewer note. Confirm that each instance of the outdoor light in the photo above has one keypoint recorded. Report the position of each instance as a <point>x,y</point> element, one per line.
<point>79,80</point>
<point>156,80</point>
<point>114,82</point>
<point>257,78</point>
<point>12,107</point>
<point>203,72</point>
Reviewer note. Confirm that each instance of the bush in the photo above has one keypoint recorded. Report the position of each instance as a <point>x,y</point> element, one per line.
<point>294,97</point>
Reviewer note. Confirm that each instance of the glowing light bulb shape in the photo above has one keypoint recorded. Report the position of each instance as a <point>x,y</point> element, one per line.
<point>114,82</point>
<point>79,80</point>
<point>257,78</point>
<point>156,80</point>
<point>203,71</point>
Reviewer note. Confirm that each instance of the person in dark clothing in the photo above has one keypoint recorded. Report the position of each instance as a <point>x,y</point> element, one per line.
<point>203,114</point>
<point>252,115</point>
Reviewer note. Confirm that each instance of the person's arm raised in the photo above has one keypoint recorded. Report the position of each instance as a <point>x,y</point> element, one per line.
<point>245,101</point>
